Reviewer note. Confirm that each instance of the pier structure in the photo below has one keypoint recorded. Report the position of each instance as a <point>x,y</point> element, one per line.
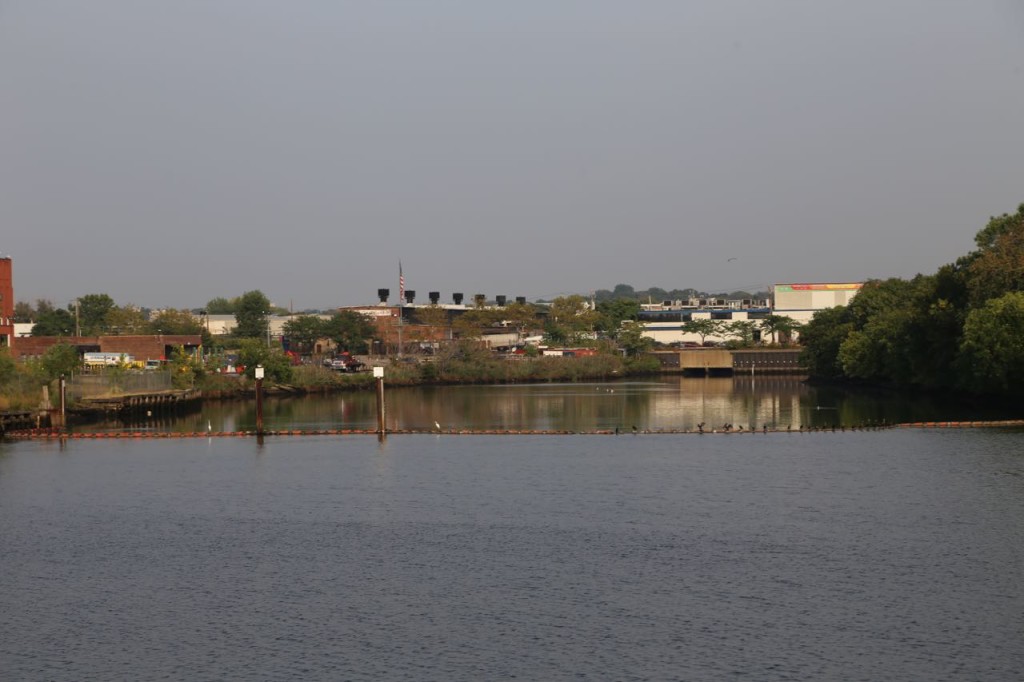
<point>725,362</point>
<point>141,404</point>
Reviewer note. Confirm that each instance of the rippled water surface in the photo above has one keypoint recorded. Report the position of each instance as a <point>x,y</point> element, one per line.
<point>858,555</point>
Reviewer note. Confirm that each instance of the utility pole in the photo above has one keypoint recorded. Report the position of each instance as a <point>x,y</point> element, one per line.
<point>399,327</point>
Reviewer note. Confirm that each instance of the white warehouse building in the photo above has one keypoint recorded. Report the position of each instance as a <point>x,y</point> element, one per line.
<point>799,301</point>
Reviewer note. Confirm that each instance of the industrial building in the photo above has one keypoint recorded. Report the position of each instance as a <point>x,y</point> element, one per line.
<point>406,325</point>
<point>801,301</point>
<point>663,322</point>
<point>139,347</point>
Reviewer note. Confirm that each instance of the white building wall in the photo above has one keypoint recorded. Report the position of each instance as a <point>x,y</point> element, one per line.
<point>672,332</point>
<point>801,301</point>
<point>796,301</point>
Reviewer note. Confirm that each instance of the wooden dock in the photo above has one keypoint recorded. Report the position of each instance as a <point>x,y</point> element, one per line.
<point>144,404</point>
<point>11,421</point>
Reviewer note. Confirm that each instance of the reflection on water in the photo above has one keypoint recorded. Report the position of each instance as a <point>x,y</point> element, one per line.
<point>664,403</point>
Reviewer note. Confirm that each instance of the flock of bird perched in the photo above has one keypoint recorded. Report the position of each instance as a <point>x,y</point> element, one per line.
<point>738,428</point>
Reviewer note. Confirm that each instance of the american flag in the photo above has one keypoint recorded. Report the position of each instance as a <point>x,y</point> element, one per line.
<point>401,283</point>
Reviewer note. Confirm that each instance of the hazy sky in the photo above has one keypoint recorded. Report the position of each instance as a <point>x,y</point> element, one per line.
<point>172,151</point>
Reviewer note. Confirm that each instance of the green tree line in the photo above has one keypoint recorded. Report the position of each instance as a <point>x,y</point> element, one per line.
<point>657,294</point>
<point>98,314</point>
<point>961,328</point>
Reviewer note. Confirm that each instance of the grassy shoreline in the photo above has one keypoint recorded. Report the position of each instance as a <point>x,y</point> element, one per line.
<point>312,379</point>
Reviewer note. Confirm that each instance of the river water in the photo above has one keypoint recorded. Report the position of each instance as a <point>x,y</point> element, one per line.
<point>858,555</point>
<point>670,403</point>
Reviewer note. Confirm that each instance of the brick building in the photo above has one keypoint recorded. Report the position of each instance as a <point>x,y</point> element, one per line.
<point>392,323</point>
<point>141,348</point>
<point>6,303</point>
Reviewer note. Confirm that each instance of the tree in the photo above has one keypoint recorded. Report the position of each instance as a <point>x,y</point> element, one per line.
<point>877,296</point>
<point>741,330</point>
<point>658,295</point>
<point>59,359</point>
<point>997,226</point>
<point>303,331</point>
<point>171,321</point>
<point>521,316</point>
<point>8,368</point>
<point>992,352</point>
<point>821,339</point>
<point>251,315</point>
<point>882,350</point>
<point>940,308</point>
<point>620,291</point>
<point>350,330</point>
<point>778,324</point>
<point>470,324</point>
<point>998,266</point>
<point>126,320</point>
<point>92,313</point>
<point>556,335</point>
<point>614,312</point>
<point>221,306</point>
<point>935,330</point>
<point>432,315</point>
<point>276,365</point>
<point>623,291</point>
<point>570,319</point>
<point>54,322</point>
<point>880,346</point>
<point>184,368</point>
<point>912,333</point>
<point>703,328</point>
<point>23,312</point>
<point>632,338</point>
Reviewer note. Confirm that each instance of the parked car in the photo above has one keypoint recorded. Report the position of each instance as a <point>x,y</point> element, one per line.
<point>343,363</point>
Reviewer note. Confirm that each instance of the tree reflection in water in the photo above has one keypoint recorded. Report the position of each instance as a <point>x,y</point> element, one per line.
<point>670,403</point>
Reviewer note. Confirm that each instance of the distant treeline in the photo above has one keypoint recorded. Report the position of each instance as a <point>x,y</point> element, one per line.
<point>657,295</point>
<point>961,328</point>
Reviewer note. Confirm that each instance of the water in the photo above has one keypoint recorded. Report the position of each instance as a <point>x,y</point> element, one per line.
<point>856,556</point>
<point>670,403</point>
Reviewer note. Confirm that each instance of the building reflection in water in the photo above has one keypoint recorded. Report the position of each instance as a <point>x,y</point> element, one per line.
<point>671,403</point>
